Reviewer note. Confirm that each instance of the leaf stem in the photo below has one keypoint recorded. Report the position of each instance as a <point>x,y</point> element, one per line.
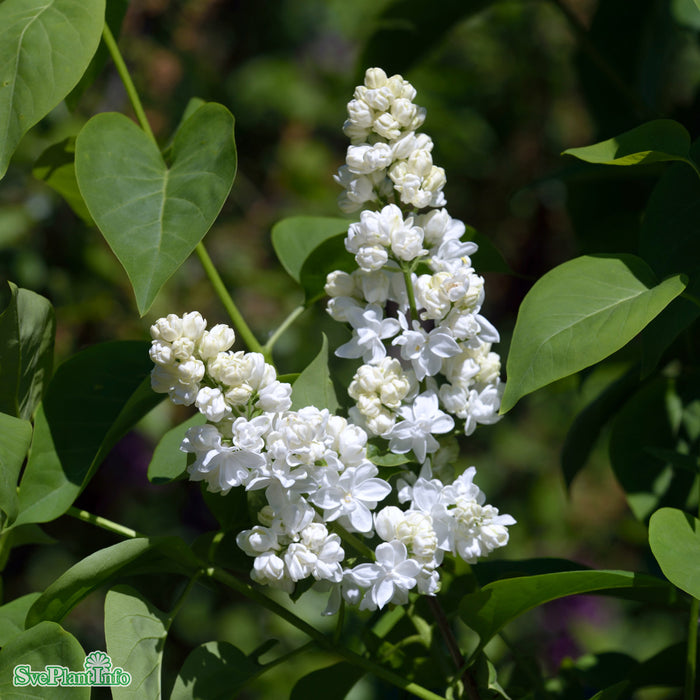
<point>298,311</point>
<point>126,79</point>
<point>239,323</point>
<point>104,523</point>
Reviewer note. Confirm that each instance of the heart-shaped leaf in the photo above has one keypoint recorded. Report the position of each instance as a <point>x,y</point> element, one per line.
<point>152,213</point>
<point>45,47</point>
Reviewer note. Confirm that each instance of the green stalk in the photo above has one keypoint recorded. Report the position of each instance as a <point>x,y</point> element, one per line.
<point>104,523</point>
<point>126,79</point>
<point>239,324</point>
<point>407,272</point>
<point>298,311</point>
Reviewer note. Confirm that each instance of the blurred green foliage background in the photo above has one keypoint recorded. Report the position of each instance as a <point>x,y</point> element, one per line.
<point>508,85</point>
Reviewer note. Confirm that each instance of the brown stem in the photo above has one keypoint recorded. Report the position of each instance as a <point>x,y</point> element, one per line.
<point>453,647</point>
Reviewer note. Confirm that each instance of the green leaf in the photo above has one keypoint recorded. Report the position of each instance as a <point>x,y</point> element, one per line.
<point>56,167</point>
<point>15,438</point>
<point>489,571</point>
<point>331,683</point>
<point>674,538</point>
<point>214,671</point>
<point>45,644</point>
<point>497,603</point>
<point>314,386</point>
<point>135,632</point>
<point>658,140</point>
<point>294,239</point>
<point>37,329</point>
<point>130,557</point>
<point>386,459</point>
<point>94,398</point>
<point>168,462</point>
<point>326,257</point>
<point>45,47</point>
<point>589,423</point>
<point>668,240</point>
<point>578,314</point>
<point>151,213</point>
<point>640,429</point>
<point>12,616</point>
<point>9,349</point>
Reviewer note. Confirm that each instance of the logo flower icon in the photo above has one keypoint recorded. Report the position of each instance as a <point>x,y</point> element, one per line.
<point>97,660</point>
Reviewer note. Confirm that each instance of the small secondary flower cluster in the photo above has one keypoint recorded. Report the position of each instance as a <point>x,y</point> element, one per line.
<point>315,472</point>
<point>425,345</point>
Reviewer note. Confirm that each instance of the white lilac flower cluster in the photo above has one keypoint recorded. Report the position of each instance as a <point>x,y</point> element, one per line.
<point>426,362</point>
<point>414,302</point>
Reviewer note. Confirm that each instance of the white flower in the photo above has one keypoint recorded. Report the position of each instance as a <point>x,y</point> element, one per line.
<point>219,339</point>
<point>212,404</point>
<point>269,569</point>
<point>371,257</point>
<point>339,284</point>
<point>172,327</point>
<point>414,528</point>
<point>439,226</point>
<point>425,351</point>
<point>482,407</point>
<point>386,380</point>
<point>318,554</point>
<point>351,495</point>
<point>275,397</point>
<point>257,540</point>
<point>369,329</point>
<point>389,578</point>
<point>420,420</point>
<point>365,159</point>
<point>221,466</point>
